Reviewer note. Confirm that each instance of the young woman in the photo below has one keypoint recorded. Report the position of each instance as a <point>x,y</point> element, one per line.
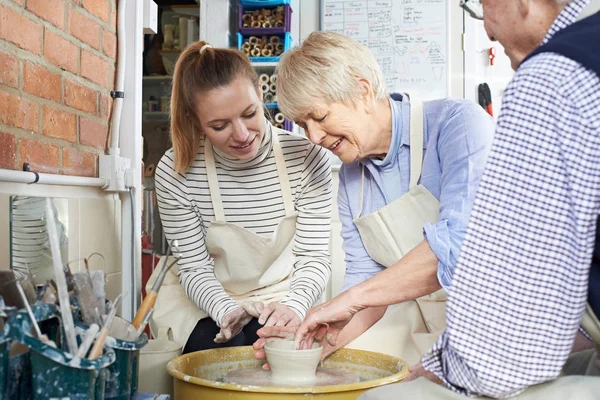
<point>249,205</point>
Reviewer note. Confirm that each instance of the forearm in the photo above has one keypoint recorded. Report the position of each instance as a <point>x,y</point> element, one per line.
<point>308,284</point>
<point>415,275</point>
<point>359,324</point>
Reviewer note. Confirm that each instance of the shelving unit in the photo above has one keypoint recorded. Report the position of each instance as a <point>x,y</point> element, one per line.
<point>270,64</point>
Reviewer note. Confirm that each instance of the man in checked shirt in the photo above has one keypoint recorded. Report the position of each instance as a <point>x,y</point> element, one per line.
<point>523,285</point>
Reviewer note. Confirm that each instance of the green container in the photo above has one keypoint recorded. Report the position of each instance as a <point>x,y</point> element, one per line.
<point>4,354</point>
<point>55,372</point>
<point>122,380</point>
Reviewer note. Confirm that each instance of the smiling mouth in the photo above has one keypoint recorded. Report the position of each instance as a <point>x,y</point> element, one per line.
<point>246,145</point>
<point>336,144</point>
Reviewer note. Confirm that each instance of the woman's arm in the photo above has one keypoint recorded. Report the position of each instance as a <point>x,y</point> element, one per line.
<point>312,267</point>
<point>184,224</point>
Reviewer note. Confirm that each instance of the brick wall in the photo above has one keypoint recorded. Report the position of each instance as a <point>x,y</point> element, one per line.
<point>57,67</point>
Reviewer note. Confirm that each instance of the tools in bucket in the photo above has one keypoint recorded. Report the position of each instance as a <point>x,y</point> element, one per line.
<point>148,303</point>
<point>264,18</point>
<point>263,46</point>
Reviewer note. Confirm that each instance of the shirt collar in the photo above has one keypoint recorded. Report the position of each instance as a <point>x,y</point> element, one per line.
<point>566,17</point>
<point>397,136</point>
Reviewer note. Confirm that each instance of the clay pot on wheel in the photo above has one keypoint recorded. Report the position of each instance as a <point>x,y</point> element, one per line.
<point>290,366</point>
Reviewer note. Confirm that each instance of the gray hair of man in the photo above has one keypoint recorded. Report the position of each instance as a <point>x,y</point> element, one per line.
<point>326,68</point>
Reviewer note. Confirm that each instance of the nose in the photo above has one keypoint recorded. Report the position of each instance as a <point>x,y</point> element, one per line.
<point>240,132</point>
<point>314,133</point>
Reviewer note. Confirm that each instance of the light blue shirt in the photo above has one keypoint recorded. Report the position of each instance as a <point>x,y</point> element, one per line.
<point>457,138</point>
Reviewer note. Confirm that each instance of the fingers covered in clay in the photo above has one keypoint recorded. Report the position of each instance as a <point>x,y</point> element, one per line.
<point>253,308</point>
<point>232,324</point>
<point>277,314</point>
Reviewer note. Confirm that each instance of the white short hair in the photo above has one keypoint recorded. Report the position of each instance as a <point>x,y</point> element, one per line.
<point>325,69</point>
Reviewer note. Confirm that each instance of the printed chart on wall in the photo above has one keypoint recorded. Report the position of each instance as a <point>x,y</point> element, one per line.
<point>408,38</point>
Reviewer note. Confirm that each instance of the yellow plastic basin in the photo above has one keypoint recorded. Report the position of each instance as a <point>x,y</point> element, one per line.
<point>197,375</point>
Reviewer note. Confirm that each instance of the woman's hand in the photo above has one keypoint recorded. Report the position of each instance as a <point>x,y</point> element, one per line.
<point>232,324</point>
<point>272,314</point>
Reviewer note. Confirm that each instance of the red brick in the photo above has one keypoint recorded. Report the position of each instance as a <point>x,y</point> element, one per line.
<point>80,97</point>
<point>84,29</point>
<point>60,52</point>
<point>95,69</point>
<point>109,44</point>
<point>52,11</point>
<point>78,162</point>
<point>39,81</point>
<point>8,150</point>
<point>92,133</point>
<point>59,124</point>
<point>105,106</point>
<point>19,112</point>
<point>20,30</point>
<point>9,70</point>
<point>99,8</point>
<point>41,156</point>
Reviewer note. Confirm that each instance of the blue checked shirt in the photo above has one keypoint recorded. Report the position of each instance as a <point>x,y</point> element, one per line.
<point>521,282</point>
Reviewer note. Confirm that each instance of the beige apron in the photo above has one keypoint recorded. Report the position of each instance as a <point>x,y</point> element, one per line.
<point>407,330</point>
<point>249,266</point>
<point>575,387</point>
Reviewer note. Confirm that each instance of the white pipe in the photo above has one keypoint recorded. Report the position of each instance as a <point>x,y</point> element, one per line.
<point>8,175</point>
<point>120,83</point>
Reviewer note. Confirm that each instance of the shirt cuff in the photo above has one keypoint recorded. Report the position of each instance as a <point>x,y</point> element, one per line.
<point>296,304</point>
<point>438,236</point>
<point>228,306</point>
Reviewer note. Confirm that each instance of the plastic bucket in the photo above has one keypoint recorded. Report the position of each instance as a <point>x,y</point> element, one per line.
<point>154,377</point>
<point>4,355</point>
<point>54,372</point>
<point>122,379</point>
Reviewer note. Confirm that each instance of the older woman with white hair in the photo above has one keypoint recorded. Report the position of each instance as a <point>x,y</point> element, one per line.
<point>407,185</point>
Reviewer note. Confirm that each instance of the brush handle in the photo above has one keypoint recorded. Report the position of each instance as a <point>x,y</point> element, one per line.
<point>147,304</point>
<point>97,349</point>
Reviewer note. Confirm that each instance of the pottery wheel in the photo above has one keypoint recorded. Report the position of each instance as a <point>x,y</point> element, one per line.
<point>259,377</point>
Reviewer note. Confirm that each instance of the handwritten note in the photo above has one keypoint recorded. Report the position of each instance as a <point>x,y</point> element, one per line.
<point>407,37</point>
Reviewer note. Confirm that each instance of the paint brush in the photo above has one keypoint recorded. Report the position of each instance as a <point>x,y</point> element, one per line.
<point>144,323</point>
<point>88,339</point>
<point>61,282</point>
<point>36,327</point>
<point>150,299</point>
<point>97,349</point>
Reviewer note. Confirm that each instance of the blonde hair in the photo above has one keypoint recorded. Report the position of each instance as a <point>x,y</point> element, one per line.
<point>326,67</point>
<point>200,67</point>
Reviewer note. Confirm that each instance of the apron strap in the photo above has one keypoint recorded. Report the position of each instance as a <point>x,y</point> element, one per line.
<point>362,187</point>
<point>416,140</point>
<point>213,181</point>
<point>284,182</point>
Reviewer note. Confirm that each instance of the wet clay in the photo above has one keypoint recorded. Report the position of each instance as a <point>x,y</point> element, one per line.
<point>290,366</point>
<point>259,377</point>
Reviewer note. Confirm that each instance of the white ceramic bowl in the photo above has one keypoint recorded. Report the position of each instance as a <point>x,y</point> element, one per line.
<point>290,366</point>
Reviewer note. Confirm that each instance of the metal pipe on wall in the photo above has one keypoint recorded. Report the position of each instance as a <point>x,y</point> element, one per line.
<point>8,175</point>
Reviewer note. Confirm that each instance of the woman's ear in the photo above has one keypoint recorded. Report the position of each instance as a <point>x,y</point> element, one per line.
<point>367,95</point>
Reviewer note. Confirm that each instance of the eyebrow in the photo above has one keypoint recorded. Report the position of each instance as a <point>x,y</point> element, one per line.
<point>225,119</point>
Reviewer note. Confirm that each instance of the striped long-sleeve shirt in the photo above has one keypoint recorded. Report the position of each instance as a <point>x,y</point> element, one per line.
<point>252,199</point>
<point>521,282</point>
